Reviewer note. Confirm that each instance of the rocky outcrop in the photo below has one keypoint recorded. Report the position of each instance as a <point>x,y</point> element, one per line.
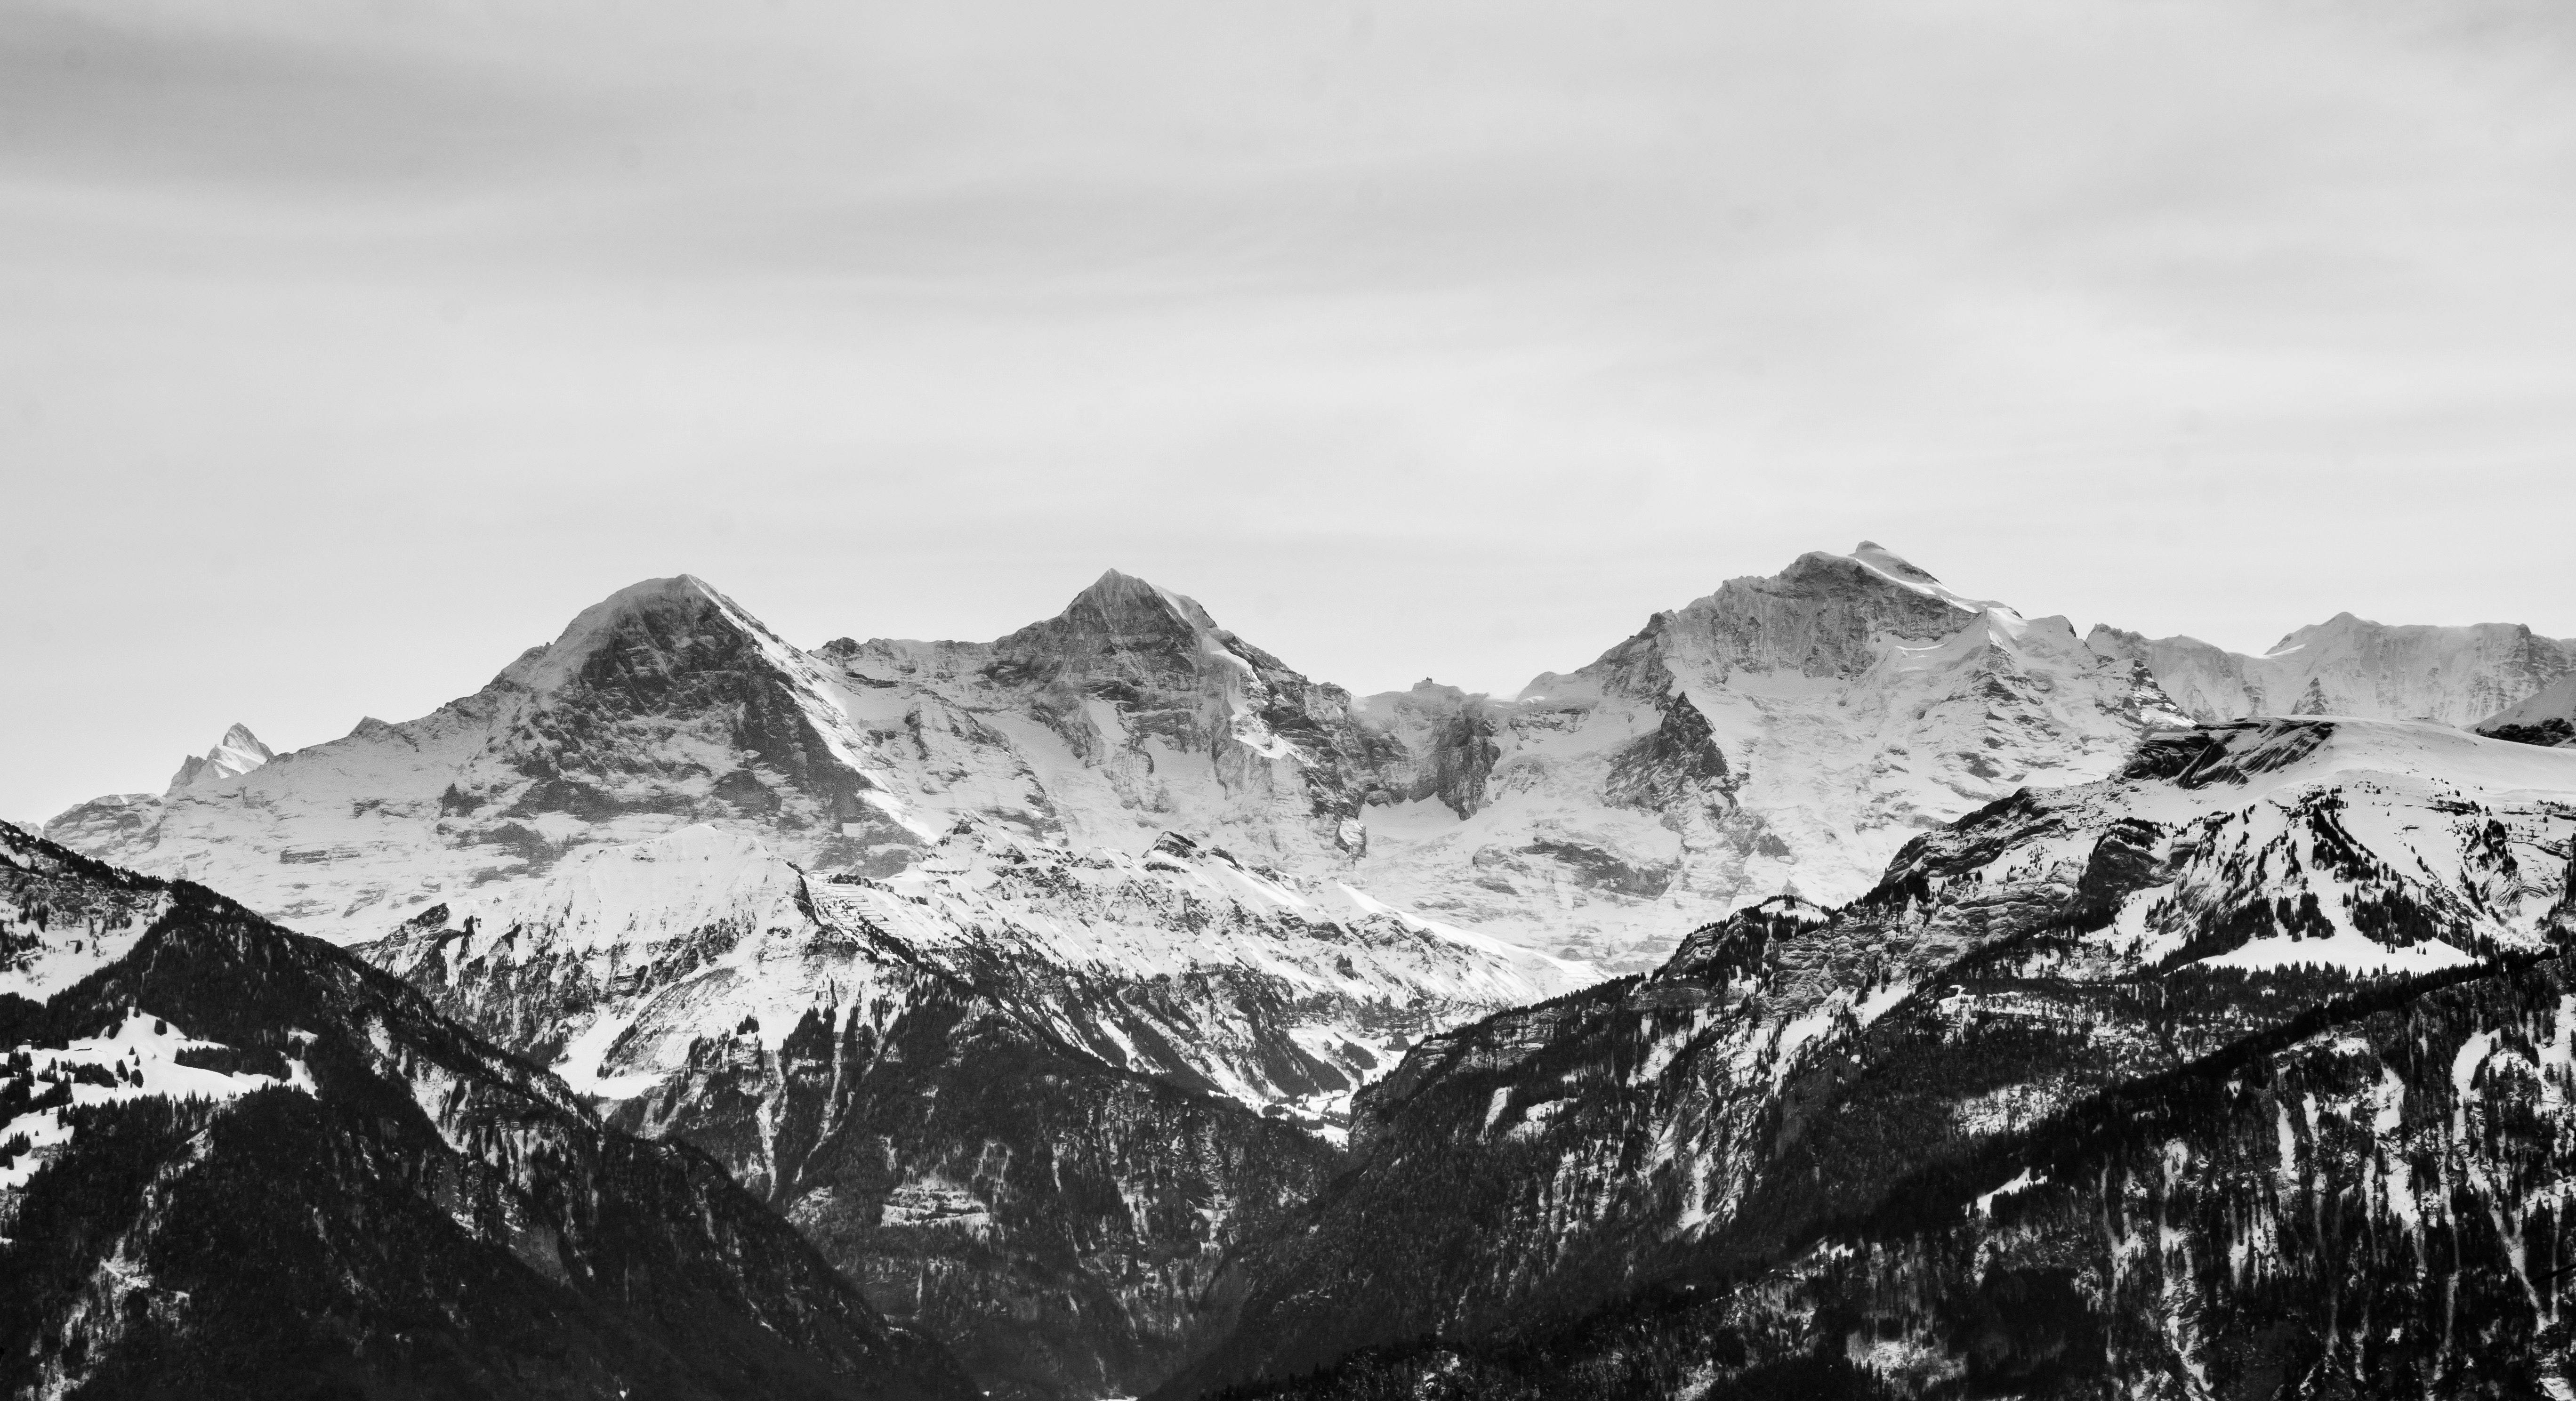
<point>1056,1221</point>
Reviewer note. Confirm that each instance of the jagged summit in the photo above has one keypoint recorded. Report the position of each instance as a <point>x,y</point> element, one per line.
<point>1115,591</point>
<point>1129,606</point>
<point>237,753</point>
<point>652,625</point>
<point>1119,631</point>
<point>1790,727</point>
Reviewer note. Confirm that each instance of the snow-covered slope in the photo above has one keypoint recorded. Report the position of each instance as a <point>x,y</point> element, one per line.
<point>1782,734</point>
<point>121,818</point>
<point>661,706</point>
<point>2351,666</point>
<point>2547,716</point>
<point>1129,714</point>
<point>1184,963</point>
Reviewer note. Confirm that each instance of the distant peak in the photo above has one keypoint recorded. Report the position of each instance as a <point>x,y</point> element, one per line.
<point>1875,561</point>
<point>237,753</point>
<point>1120,595</point>
<point>1114,583</point>
<point>634,611</point>
<point>240,737</point>
<point>680,588</point>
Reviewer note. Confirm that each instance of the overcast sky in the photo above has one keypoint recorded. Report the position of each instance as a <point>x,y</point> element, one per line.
<point>347,350</point>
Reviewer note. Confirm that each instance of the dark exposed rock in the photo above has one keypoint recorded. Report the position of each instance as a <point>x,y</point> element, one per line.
<point>429,1218</point>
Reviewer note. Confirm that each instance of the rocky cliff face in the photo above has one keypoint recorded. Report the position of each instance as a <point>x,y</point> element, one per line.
<point>236,1162</point>
<point>2351,666</point>
<point>1029,1098</point>
<point>1057,1221</point>
<point>1746,1122</point>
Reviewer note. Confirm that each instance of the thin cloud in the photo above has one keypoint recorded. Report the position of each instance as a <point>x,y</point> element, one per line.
<point>342,353</point>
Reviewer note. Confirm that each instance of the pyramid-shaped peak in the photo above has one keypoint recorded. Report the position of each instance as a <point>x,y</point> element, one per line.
<point>237,753</point>
<point>681,589</point>
<point>658,614</point>
<point>240,737</point>
<point>1120,597</point>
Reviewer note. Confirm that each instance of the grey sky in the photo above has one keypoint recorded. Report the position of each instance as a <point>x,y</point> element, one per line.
<point>345,351</point>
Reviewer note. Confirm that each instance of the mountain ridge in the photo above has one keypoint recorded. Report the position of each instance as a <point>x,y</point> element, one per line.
<point>1736,1121</point>
<point>320,1185</point>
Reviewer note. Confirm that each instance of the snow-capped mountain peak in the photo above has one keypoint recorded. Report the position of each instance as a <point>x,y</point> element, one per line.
<point>649,627</point>
<point>237,753</point>
<point>1879,559</point>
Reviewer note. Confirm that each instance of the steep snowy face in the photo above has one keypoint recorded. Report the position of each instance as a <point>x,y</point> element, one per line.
<point>1791,1066</point>
<point>237,753</point>
<point>2548,716</point>
<point>1782,734</point>
<point>662,706</point>
<point>1184,963</point>
<point>1129,714</point>
<point>2351,666</point>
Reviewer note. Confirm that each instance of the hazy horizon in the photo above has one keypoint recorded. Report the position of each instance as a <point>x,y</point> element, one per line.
<point>349,353</point>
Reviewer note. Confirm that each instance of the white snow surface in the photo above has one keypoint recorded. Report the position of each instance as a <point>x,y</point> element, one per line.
<point>653,945</point>
<point>2471,830</point>
<point>1856,701</point>
<point>2351,666</point>
<point>2555,701</point>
